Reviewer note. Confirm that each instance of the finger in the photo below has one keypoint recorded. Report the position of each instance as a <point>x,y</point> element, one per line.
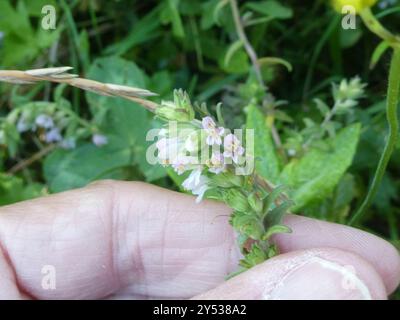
<point>118,238</point>
<point>309,233</point>
<point>121,238</point>
<point>323,273</point>
<point>8,287</point>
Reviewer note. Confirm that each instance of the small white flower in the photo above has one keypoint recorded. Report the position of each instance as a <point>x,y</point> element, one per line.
<point>197,184</point>
<point>44,121</point>
<point>214,134</point>
<point>167,150</point>
<point>99,140</point>
<point>233,148</point>
<point>192,180</point>
<point>201,188</point>
<point>216,163</point>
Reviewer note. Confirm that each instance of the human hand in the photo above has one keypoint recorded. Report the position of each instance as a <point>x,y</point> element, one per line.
<point>133,240</point>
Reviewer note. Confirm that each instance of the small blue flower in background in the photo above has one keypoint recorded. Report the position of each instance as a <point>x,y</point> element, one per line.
<point>68,143</point>
<point>53,135</point>
<point>44,121</point>
<point>99,140</point>
<point>386,3</point>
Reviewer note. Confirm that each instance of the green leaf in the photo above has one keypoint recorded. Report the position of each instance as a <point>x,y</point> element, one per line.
<point>270,8</point>
<point>64,169</point>
<point>267,163</point>
<point>349,37</point>
<point>247,224</point>
<point>170,14</point>
<point>275,216</point>
<point>313,177</point>
<point>238,61</point>
<point>144,30</point>
<point>125,119</point>
<point>272,196</point>
<point>123,122</point>
<point>378,53</point>
<point>235,46</point>
<point>13,189</point>
<point>255,256</point>
<point>279,228</point>
<point>21,42</point>
<point>273,61</point>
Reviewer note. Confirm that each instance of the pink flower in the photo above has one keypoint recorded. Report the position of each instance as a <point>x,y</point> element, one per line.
<point>181,164</point>
<point>216,163</point>
<point>214,134</point>
<point>233,148</point>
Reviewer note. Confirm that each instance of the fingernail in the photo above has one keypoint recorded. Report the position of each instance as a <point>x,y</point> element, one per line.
<point>319,279</point>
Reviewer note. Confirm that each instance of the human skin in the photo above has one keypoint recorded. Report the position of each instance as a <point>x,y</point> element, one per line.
<point>131,240</point>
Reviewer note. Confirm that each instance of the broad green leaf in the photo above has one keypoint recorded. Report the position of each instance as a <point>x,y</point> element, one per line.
<point>125,119</point>
<point>267,162</point>
<point>123,122</point>
<point>64,169</point>
<point>313,177</point>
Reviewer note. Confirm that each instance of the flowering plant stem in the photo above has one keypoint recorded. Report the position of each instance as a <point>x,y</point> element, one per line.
<point>257,206</point>
<point>391,113</point>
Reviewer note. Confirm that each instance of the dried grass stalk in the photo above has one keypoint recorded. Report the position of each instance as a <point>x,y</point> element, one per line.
<point>61,75</point>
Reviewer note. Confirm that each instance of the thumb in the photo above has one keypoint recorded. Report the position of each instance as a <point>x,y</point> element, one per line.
<point>324,273</point>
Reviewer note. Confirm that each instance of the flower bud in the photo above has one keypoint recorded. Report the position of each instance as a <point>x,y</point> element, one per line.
<point>255,256</point>
<point>247,225</point>
<point>226,180</point>
<point>255,202</point>
<point>358,5</point>
<point>179,110</point>
<point>236,200</point>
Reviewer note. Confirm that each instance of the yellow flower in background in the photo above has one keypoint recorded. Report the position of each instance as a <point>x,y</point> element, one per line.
<point>358,5</point>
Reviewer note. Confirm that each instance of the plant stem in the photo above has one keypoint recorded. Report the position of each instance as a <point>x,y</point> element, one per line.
<point>27,162</point>
<point>242,36</point>
<point>391,114</point>
<point>373,24</point>
<point>255,62</point>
